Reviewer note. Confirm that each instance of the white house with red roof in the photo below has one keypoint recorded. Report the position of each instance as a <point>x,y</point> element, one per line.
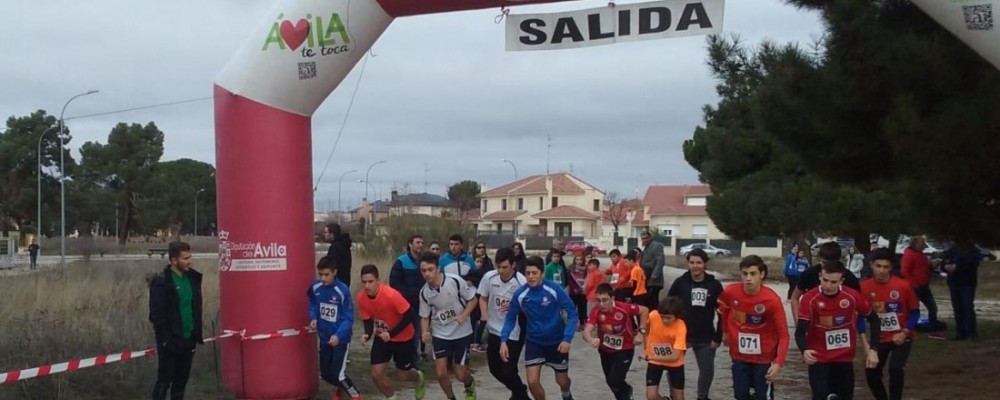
<point>679,211</point>
<point>557,204</point>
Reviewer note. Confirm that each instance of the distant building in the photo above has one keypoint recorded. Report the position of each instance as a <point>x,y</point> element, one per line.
<point>558,204</point>
<point>421,204</point>
<point>375,212</point>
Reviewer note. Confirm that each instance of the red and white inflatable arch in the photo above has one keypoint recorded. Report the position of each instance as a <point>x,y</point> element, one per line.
<point>264,99</point>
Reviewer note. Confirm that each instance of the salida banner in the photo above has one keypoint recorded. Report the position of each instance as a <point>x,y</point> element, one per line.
<point>608,25</point>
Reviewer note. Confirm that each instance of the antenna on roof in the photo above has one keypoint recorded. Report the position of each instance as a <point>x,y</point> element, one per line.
<point>548,153</point>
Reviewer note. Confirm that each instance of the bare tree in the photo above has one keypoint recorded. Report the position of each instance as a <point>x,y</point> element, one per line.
<point>617,211</point>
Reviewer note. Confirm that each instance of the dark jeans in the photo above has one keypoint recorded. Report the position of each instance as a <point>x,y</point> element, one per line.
<point>963,298</point>
<point>926,297</point>
<point>748,376</point>
<point>506,372</point>
<point>704,355</point>
<point>895,356</point>
<point>172,373</point>
<point>832,378</point>
<point>580,300</point>
<point>477,326</point>
<point>653,297</point>
<point>793,282</point>
<point>34,261</point>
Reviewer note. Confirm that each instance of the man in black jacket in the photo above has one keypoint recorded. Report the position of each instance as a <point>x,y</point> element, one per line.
<point>700,292</point>
<point>175,311</point>
<point>339,252</point>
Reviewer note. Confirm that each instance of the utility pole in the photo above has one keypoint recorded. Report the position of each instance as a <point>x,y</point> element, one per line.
<point>426,170</point>
<point>548,153</point>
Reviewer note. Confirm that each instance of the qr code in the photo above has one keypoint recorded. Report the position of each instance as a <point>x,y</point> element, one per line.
<point>978,17</point>
<point>307,70</point>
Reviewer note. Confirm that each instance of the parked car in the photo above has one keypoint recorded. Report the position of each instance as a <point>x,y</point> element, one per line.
<point>712,250</point>
<point>931,250</point>
<point>579,247</point>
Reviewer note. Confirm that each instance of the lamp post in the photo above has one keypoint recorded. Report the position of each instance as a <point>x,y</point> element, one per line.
<point>340,184</point>
<point>366,176</point>
<point>38,221</point>
<point>196,210</point>
<point>62,177</point>
<point>367,185</point>
<point>511,165</point>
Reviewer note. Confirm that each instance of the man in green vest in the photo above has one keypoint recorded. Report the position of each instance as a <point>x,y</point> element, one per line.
<point>175,311</point>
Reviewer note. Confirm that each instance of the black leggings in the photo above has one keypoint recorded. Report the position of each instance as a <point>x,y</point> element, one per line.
<point>832,378</point>
<point>793,282</point>
<point>895,356</point>
<point>581,306</point>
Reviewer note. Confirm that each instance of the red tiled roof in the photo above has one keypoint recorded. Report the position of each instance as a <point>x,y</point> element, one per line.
<point>567,212</point>
<point>508,215</point>
<point>669,200</point>
<point>640,223</point>
<point>562,183</point>
<point>472,215</point>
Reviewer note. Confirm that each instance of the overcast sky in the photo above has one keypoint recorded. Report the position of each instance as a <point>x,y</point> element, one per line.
<point>440,91</point>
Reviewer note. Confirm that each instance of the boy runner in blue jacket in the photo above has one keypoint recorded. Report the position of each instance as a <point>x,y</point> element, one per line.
<point>331,314</point>
<point>548,336</point>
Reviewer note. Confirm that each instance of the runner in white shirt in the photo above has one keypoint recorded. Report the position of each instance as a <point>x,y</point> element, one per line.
<point>495,292</point>
<point>446,302</point>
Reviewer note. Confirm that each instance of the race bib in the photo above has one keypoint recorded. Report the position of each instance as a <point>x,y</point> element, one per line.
<point>328,312</point>
<point>381,326</point>
<point>661,350</point>
<point>838,339</point>
<point>446,316</point>
<point>614,279</point>
<point>889,322</point>
<point>613,342</point>
<point>749,343</point>
<point>500,302</point>
<point>698,297</point>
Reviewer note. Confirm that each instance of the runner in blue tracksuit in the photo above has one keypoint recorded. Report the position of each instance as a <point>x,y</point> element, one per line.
<point>548,335</point>
<point>331,314</point>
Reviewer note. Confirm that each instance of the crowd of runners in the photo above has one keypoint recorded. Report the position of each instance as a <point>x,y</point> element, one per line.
<point>534,307</point>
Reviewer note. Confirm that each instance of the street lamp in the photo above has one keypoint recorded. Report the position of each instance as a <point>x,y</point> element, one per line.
<point>369,171</point>
<point>367,185</point>
<point>511,165</point>
<point>340,184</point>
<point>38,221</point>
<point>62,177</point>
<point>196,210</point>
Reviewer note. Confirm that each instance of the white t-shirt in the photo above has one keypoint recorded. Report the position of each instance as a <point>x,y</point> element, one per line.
<point>445,303</point>
<point>498,294</point>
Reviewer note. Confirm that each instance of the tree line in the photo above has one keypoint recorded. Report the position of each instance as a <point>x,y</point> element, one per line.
<point>117,188</point>
<point>887,124</point>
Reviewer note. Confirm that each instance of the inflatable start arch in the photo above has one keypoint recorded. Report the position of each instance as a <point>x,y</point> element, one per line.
<point>264,99</point>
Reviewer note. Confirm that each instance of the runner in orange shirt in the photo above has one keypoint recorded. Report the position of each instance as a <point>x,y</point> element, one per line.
<point>388,320</point>
<point>594,278</point>
<point>666,341</point>
<point>620,276</point>
<point>638,278</point>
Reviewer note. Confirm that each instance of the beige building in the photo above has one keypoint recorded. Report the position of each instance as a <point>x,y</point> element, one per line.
<point>679,211</point>
<point>557,204</point>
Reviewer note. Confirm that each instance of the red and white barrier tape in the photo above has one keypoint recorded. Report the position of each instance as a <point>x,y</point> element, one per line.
<point>51,369</point>
<point>279,334</point>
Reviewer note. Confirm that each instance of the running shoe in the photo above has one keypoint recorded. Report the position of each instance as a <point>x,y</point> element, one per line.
<point>470,389</point>
<point>421,389</point>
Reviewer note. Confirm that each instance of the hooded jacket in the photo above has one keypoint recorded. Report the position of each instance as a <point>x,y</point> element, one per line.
<point>165,314</point>
<point>340,254</point>
<point>406,279</point>
<point>700,305</point>
<point>462,265</point>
